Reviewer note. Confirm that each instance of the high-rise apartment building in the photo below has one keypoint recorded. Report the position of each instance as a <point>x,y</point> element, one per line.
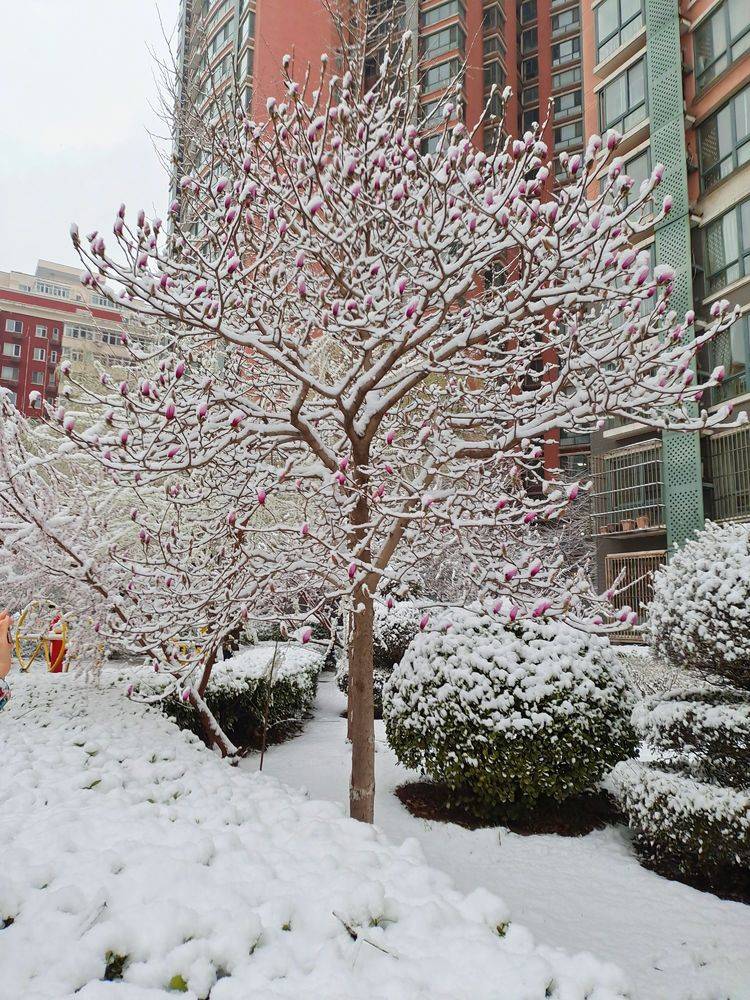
<point>48,317</point>
<point>673,77</point>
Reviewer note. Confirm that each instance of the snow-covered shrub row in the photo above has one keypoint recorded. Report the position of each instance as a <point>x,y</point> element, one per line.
<point>509,714</point>
<point>652,675</point>
<point>131,851</point>
<point>711,725</point>
<point>690,810</point>
<point>241,690</point>
<point>699,616</point>
<point>680,820</point>
<point>393,630</point>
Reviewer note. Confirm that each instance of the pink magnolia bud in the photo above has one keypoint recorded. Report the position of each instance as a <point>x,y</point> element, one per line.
<point>573,491</point>
<point>389,602</point>
<point>352,570</point>
<point>261,494</point>
<point>542,606</point>
<point>423,622</point>
<point>340,478</point>
<point>306,635</point>
<point>129,690</point>
<point>510,572</point>
<point>185,694</point>
<point>344,464</point>
<point>201,411</point>
<point>598,620</point>
<point>69,425</point>
<point>529,517</point>
<point>388,468</point>
<point>232,518</point>
<point>172,450</point>
<point>514,611</point>
<point>124,388</point>
<point>305,529</point>
<point>390,437</point>
<point>180,369</point>
<point>667,204</point>
<point>123,438</point>
<point>501,503</point>
<point>234,263</point>
<point>169,411</point>
<point>401,286</point>
<point>496,607</point>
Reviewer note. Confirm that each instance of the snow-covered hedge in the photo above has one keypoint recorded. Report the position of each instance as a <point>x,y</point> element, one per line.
<point>700,613</point>
<point>130,852</point>
<point>393,630</point>
<point>506,714</point>
<point>690,807</point>
<point>240,690</point>
<point>693,825</point>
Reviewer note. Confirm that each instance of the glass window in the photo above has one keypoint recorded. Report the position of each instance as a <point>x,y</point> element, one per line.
<point>724,140</point>
<point>494,73</point>
<point>492,44</point>
<point>567,78</point>
<point>431,143</point>
<point>528,11</point>
<point>441,12</point>
<point>639,168</point>
<point>567,136</point>
<point>530,117</point>
<point>41,331</point>
<point>247,28</point>
<point>530,68</point>
<point>442,41</point>
<point>720,40</point>
<point>55,336</point>
<point>53,356</point>
<point>9,373</point>
<point>568,104</point>
<point>12,350</point>
<point>565,21</point>
<point>727,242</point>
<point>530,95</point>
<point>40,354</point>
<point>441,75</point>
<point>529,40</point>
<point>37,378</point>
<point>730,349</point>
<point>13,326</point>
<point>617,21</point>
<point>566,51</point>
<point>622,103</point>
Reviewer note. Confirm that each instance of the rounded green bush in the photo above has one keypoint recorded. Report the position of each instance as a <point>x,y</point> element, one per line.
<point>509,714</point>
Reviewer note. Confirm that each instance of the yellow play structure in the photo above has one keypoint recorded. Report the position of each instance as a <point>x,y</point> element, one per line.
<point>43,628</point>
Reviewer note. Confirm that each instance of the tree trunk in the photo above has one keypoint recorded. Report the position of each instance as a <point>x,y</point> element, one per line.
<point>361,710</point>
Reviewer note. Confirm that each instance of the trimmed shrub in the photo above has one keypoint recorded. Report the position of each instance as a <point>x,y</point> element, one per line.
<point>240,690</point>
<point>393,630</point>
<point>690,810</point>
<point>509,714</point>
<point>699,617</point>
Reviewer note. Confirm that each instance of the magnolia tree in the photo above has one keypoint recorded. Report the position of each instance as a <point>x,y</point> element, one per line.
<point>338,346</point>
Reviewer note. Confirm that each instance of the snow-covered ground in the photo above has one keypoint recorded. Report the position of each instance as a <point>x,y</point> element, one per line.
<point>126,845</point>
<point>587,893</point>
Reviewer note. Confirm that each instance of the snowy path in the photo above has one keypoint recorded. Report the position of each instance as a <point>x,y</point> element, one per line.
<point>589,893</point>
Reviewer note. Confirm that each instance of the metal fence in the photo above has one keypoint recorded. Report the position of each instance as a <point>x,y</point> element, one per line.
<point>628,494</point>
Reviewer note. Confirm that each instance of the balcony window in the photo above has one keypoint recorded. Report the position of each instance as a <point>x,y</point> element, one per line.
<point>13,326</point>
<point>567,78</point>
<point>529,40</point>
<point>568,104</point>
<point>731,349</point>
<point>528,11</point>
<point>47,288</point>
<point>530,68</point>
<point>445,40</point>
<point>530,95</point>
<point>247,29</point>
<point>627,494</point>
<point>724,140</point>
<point>492,45</point>
<point>729,468</point>
<point>431,143</point>
<point>437,77</point>
<point>494,74</point>
<point>564,22</point>
<point>530,118</point>
<point>569,136</point>
<point>639,169</point>
<point>37,378</point>
<point>623,103</point>
<point>720,40</point>
<point>617,21</point>
<point>440,13</point>
<point>11,350</point>
<point>41,332</point>
<point>566,51</point>
<point>727,244</point>
<point>9,373</point>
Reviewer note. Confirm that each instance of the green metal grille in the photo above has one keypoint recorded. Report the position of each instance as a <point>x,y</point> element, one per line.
<point>729,459</point>
<point>683,495</point>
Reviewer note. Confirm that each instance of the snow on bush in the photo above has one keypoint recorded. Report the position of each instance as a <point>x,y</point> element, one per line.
<point>507,714</point>
<point>678,819</point>
<point>393,630</point>
<point>690,809</point>
<point>133,854</point>
<point>241,690</point>
<point>700,613</point>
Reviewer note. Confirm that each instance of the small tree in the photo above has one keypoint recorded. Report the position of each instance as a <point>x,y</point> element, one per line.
<point>368,372</point>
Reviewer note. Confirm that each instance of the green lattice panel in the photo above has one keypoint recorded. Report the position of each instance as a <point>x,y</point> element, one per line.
<point>683,494</point>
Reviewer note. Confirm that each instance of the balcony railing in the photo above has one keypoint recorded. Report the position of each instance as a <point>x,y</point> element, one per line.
<point>628,493</point>
<point>729,469</point>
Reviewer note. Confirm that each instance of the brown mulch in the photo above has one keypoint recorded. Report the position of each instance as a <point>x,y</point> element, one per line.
<point>575,817</point>
<point>729,882</point>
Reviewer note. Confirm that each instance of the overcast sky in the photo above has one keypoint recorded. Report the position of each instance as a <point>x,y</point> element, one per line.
<point>78,91</point>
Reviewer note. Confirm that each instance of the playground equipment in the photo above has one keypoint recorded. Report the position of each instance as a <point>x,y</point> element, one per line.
<point>44,629</point>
